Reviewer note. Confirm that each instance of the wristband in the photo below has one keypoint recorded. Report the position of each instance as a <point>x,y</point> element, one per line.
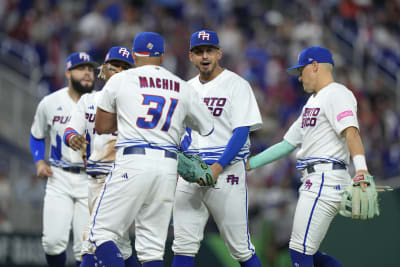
<point>359,162</point>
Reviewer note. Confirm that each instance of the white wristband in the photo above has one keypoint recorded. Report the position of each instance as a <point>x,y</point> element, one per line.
<point>359,162</point>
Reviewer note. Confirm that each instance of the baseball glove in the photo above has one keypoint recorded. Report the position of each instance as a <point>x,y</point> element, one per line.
<point>193,169</point>
<point>358,204</point>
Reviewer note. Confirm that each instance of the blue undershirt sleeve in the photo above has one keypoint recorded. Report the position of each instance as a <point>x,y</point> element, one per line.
<point>38,147</point>
<point>234,145</point>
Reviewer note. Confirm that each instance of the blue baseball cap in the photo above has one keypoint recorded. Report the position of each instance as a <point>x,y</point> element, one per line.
<point>119,53</point>
<point>148,44</point>
<point>309,55</point>
<point>204,37</point>
<point>79,58</point>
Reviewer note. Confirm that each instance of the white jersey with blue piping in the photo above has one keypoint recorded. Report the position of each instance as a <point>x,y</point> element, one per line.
<point>152,104</point>
<point>51,118</point>
<point>100,151</point>
<point>318,129</point>
<point>232,103</point>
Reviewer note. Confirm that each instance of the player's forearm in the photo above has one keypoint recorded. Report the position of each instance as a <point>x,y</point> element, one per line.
<point>105,122</point>
<point>356,148</point>
<point>353,140</point>
<point>271,154</point>
<point>234,145</point>
<point>38,147</point>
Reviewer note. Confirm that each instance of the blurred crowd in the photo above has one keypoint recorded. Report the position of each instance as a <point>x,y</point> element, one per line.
<point>260,39</point>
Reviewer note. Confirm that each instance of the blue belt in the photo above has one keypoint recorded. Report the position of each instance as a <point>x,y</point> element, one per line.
<point>74,169</point>
<point>335,166</point>
<point>142,151</point>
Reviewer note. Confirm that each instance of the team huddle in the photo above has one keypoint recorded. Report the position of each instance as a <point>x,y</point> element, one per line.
<point>150,146</point>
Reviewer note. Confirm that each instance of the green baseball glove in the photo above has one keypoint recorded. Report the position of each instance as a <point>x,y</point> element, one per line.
<point>358,204</point>
<point>193,169</point>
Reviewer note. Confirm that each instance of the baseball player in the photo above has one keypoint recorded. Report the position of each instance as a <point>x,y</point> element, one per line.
<point>226,94</point>
<point>100,150</point>
<point>327,133</point>
<point>65,201</point>
<point>152,107</point>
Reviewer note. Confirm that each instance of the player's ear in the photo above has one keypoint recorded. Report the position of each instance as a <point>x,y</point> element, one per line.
<point>315,66</point>
<point>68,74</point>
<point>219,54</point>
<point>190,56</point>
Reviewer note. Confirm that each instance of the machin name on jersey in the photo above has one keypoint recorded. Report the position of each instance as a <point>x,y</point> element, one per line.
<point>165,84</point>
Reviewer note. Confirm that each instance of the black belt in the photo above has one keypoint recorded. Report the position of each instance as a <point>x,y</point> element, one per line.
<point>335,166</point>
<point>73,169</point>
<point>142,151</point>
<point>98,175</point>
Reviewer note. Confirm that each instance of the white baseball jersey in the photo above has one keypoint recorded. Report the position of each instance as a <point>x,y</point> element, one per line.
<point>65,201</point>
<point>318,131</point>
<point>318,128</point>
<point>151,104</point>
<point>52,117</point>
<point>100,152</point>
<point>234,106</point>
<point>231,101</point>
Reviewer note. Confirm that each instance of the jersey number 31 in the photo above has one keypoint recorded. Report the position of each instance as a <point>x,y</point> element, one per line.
<point>156,112</point>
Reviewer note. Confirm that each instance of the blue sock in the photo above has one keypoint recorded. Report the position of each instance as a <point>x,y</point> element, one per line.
<point>77,263</point>
<point>324,260</point>
<point>132,262</point>
<point>108,254</point>
<point>254,261</point>
<point>300,259</point>
<point>183,261</point>
<point>153,264</point>
<point>88,260</point>
<point>56,260</point>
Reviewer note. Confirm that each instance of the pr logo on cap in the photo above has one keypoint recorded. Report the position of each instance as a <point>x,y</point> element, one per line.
<point>79,58</point>
<point>84,56</point>
<point>203,35</point>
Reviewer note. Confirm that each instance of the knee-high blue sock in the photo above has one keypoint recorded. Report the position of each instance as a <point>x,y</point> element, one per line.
<point>183,261</point>
<point>108,254</point>
<point>56,260</point>
<point>77,263</point>
<point>324,260</point>
<point>254,261</point>
<point>300,259</point>
<point>132,262</point>
<point>153,264</point>
<point>88,261</point>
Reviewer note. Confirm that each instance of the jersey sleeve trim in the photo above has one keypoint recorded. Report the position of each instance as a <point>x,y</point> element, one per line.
<point>68,133</point>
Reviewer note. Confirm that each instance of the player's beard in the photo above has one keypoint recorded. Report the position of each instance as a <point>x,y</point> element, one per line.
<point>80,88</point>
<point>207,72</point>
